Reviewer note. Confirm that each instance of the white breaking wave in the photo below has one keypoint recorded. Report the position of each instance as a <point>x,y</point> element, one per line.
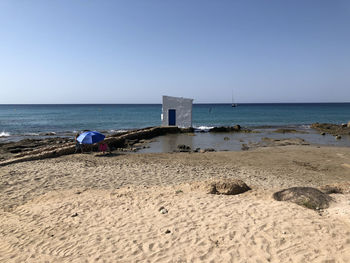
<point>120,131</point>
<point>4,134</point>
<point>203,128</point>
<point>31,134</point>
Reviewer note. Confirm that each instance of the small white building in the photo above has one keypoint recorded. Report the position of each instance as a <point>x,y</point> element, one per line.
<point>177,112</point>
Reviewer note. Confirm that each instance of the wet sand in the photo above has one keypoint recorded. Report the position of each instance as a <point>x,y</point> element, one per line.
<point>86,207</point>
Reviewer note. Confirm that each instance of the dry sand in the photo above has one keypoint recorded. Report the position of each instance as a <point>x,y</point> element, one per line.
<point>85,208</point>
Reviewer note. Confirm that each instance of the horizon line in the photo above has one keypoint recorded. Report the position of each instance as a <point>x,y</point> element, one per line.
<point>203,103</point>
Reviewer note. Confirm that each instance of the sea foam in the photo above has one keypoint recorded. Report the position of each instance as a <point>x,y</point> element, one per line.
<point>203,128</point>
<point>5,134</point>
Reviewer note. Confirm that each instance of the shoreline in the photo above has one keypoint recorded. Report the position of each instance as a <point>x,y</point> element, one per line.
<point>332,128</point>
<point>241,138</point>
<point>234,138</point>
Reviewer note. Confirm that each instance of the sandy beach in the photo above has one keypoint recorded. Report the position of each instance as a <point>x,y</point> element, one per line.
<point>91,208</point>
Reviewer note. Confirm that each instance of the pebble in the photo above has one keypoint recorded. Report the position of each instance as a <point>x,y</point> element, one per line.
<point>167,231</point>
<point>163,210</point>
<point>74,215</point>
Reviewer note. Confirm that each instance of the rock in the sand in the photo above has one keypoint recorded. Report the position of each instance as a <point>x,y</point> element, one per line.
<point>163,210</point>
<point>223,186</point>
<point>323,133</point>
<point>338,137</point>
<point>209,150</point>
<point>74,215</point>
<point>308,197</point>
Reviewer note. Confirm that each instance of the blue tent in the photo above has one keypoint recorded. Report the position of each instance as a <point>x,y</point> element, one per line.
<point>90,137</point>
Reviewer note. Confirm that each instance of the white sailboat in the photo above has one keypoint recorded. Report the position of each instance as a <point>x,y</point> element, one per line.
<point>233,104</point>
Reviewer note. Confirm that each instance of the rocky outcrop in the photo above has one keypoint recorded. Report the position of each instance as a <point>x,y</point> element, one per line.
<point>308,197</point>
<point>115,141</point>
<point>236,128</point>
<point>271,142</point>
<point>334,129</point>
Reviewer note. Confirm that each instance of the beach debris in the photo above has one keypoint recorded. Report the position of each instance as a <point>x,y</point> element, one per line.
<point>224,186</point>
<point>167,231</point>
<point>74,215</point>
<point>323,133</point>
<point>244,147</point>
<point>308,197</point>
<point>338,137</point>
<point>163,210</point>
<point>226,138</point>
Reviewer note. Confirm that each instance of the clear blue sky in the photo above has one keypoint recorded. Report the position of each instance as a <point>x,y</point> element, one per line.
<point>136,51</point>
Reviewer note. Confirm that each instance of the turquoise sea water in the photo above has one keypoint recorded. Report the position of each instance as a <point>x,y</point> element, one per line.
<point>18,121</point>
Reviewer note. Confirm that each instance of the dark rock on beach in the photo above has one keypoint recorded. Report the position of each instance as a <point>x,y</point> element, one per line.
<point>224,186</point>
<point>236,128</point>
<point>209,150</point>
<point>183,148</point>
<point>308,197</point>
<point>244,147</point>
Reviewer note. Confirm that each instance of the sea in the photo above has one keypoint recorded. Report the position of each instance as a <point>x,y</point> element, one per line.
<point>37,121</point>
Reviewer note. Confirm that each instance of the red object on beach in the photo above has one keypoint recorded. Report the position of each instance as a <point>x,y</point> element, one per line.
<point>103,147</point>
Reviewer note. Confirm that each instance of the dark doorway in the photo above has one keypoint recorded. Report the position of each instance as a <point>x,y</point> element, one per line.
<point>172,117</point>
